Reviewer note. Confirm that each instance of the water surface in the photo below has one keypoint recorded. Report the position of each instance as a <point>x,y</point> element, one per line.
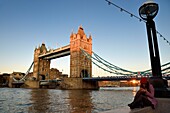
<point>19,100</point>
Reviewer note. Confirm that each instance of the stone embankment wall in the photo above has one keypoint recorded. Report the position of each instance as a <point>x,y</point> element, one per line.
<point>78,83</point>
<point>162,107</point>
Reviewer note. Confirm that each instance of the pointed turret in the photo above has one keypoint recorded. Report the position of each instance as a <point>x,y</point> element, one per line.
<point>43,48</point>
<point>81,31</point>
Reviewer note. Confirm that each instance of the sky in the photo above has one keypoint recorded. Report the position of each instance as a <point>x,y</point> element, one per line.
<point>117,37</point>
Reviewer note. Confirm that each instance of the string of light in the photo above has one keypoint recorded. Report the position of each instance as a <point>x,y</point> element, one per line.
<point>140,19</point>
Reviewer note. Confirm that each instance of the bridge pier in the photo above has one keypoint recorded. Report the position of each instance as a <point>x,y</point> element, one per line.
<point>17,85</point>
<point>31,84</point>
<point>78,83</point>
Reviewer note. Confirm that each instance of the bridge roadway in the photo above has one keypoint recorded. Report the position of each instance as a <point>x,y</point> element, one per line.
<point>57,53</point>
<point>112,78</point>
<point>116,78</point>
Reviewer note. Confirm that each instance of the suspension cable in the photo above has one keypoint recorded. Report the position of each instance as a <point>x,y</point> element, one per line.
<point>117,70</point>
<point>23,78</point>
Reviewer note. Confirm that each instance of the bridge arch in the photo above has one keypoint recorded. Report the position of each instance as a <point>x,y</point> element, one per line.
<point>42,77</point>
<point>84,73</point>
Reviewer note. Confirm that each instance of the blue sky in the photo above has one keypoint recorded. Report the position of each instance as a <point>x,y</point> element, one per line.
<point>117,37</point>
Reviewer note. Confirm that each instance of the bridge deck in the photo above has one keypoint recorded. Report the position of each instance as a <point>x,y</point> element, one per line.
<point>57,53</point>
<point>18,82</point>
<point>110,78</point>
<point>115,78</point>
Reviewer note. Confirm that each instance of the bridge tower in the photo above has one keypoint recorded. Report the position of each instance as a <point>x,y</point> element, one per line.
<point>80,66</point>
<point>41,66</point>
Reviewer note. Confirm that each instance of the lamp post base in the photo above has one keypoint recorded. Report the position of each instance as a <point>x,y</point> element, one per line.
<point>160,86</point>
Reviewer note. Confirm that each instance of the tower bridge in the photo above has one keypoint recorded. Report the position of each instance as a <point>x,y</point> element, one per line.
<point>80,66</point>
<point>81,59</point>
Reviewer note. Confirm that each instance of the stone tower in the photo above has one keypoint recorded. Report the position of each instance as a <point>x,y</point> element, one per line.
<point>41,66</point>
<point>80,66</point>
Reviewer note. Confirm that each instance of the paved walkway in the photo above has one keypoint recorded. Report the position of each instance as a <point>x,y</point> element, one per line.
<point>162,107</point>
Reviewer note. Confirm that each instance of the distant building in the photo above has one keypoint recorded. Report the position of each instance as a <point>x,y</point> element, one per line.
<point>4,79</point>
<point>54,73</point>
<point>17,75</point>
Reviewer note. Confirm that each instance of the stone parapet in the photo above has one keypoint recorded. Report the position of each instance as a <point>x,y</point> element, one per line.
<point>162,107</point>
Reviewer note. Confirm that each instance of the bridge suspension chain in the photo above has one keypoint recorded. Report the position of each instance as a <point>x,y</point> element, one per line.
<point>90,57</point>
<point>120,71</point>
<point>111,68</point>
<point>166,69</point>
<point>24,77</point>
<point>147,72</point>
<point>111,65</point>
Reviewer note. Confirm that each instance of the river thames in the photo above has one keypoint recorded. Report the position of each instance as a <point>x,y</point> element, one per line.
<point>19,100</point>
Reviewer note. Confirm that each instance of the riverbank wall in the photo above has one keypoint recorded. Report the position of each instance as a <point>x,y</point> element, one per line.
<point>162,107</point>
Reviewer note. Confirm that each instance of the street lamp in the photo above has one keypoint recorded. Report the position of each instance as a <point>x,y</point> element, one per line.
<point>147,12</point>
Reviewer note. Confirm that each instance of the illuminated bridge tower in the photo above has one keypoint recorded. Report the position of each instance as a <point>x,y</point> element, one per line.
<point>80,66</point>
<point>41,66</point>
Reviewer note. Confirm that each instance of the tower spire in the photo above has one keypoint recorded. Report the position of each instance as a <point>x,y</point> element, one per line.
<point>81,31</point>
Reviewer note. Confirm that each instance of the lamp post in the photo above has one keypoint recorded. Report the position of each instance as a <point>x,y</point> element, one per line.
<point>147,12</point>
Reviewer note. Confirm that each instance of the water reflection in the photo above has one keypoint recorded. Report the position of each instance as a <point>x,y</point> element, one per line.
<point>80,101</point>
<point>59,101</point>
<point>40,101</point>
<point>72,101</point>
<point>135,89</point>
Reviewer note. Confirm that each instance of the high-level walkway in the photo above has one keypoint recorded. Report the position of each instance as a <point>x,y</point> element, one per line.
<point>57,53</point>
